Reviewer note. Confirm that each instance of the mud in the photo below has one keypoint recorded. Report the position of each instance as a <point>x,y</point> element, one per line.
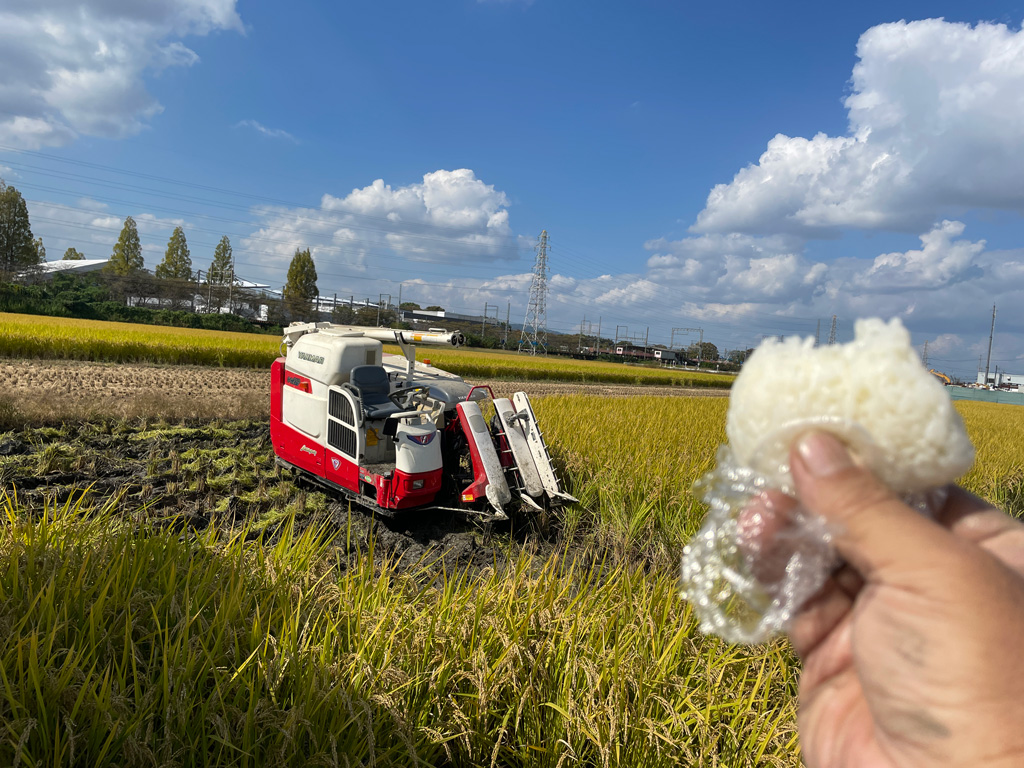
<point>196,475</point>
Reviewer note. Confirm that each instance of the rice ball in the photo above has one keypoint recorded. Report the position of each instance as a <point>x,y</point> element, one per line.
<point>872,393</point>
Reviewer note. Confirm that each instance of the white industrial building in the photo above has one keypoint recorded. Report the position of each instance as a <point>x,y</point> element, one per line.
<point>48,269</point>
<point>1001,379</point>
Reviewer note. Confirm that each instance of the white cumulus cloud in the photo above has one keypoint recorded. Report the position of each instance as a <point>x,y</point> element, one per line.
<point>939,262</point>
<point>934,127</point>
<point>452,217</point>
<point>78,68</point>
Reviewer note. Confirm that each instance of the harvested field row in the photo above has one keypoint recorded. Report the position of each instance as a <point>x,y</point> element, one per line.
<point>47,392</point>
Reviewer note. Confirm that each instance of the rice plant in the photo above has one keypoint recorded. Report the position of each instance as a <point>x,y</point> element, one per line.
<point>133,646</point>
<point>40,337</point>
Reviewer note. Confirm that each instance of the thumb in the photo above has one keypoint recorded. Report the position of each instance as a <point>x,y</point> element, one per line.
<point>875,532</point>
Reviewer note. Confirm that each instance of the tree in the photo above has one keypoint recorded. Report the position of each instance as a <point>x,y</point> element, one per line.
<point>367,316</point>
<point>409,305</point>
<point>739,356</point>
<point>177,263</point>
<point>300,290</point>
<point>434,308</point>
<point>222,269</point>
<point>175,271</point>
<point>18,250</point>
<point>704,351</point>
<point>40,250</point>
<point>222,273</point>
<point>126,259</point>
<point>73,255</point>
<point>343,314</point>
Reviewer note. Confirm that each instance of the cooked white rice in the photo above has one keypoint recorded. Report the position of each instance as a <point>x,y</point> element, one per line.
<point>873,393</point>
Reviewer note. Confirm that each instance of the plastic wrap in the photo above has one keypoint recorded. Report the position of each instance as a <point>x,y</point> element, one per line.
<point>759,554</point>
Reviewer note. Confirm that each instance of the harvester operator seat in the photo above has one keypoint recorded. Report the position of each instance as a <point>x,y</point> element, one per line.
<point>373,386</point>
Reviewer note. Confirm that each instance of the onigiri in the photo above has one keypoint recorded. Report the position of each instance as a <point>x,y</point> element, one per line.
<point>873,393</point>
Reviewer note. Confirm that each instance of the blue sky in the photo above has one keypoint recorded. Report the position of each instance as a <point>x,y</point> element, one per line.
<point>746,168</point>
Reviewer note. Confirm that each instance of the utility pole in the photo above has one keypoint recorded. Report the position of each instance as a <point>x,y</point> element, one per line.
<point>483,323</point>
<point>579,343</point>
<point>832,332</point>
<point>508,318</point>
<point>686,332</point>
<point>380,301</point>
<point>991,333</point>
<point>534,327</point>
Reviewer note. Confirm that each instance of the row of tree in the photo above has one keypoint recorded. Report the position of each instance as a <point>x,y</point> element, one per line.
<point>21,253</point>
<point>298,294</point>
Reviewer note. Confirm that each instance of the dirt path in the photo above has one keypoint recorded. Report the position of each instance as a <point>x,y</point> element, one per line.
<point>47,391</point>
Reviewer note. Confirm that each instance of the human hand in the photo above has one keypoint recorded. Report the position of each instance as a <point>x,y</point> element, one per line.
<point>913,652</point>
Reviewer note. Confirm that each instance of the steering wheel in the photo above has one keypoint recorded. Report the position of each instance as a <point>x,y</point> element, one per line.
<point>408,399</point>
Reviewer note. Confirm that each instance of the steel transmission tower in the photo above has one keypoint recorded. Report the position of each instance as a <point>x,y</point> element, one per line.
<point>832,332</point>
<point>534,334</point>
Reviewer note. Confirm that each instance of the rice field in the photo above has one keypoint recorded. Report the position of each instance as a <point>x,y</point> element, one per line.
<point>54,338</point>
<point>268,625</point>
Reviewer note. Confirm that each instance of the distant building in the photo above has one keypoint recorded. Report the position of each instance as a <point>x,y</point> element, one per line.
<point>1001,379</point>
<point>48,269</point>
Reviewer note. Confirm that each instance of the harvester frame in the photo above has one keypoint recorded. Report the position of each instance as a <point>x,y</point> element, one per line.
<point>392,435</point>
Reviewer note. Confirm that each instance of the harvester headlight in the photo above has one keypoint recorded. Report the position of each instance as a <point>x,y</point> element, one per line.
<point>417,484</point>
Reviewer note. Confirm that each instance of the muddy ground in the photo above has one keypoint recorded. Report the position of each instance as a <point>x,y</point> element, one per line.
<point>196,475</point>
<point>190,447</point>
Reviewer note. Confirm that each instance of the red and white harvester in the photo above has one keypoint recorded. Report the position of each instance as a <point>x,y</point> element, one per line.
<point>393,434</point>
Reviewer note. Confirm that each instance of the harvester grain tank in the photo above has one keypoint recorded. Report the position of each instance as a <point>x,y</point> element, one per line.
<point>392,434</point>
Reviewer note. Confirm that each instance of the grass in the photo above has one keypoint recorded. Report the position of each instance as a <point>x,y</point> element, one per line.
<point>133,646</point>
<point>40,337</point>
<point>484,366</point>
<point>274,641</point>
<point>632,461</point>
<point>997,432</point>
<point>32,336</point>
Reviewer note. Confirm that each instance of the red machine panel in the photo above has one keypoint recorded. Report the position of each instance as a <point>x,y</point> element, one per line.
<point>342,471</point>
<point>407,490</point>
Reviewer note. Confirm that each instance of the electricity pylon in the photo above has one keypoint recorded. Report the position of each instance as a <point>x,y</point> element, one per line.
<point>534,336</point>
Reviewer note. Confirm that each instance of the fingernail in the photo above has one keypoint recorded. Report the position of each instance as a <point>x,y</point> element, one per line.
<point>822,454</point>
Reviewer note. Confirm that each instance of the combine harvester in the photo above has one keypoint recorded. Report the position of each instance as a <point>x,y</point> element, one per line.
<point>393,435</point>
